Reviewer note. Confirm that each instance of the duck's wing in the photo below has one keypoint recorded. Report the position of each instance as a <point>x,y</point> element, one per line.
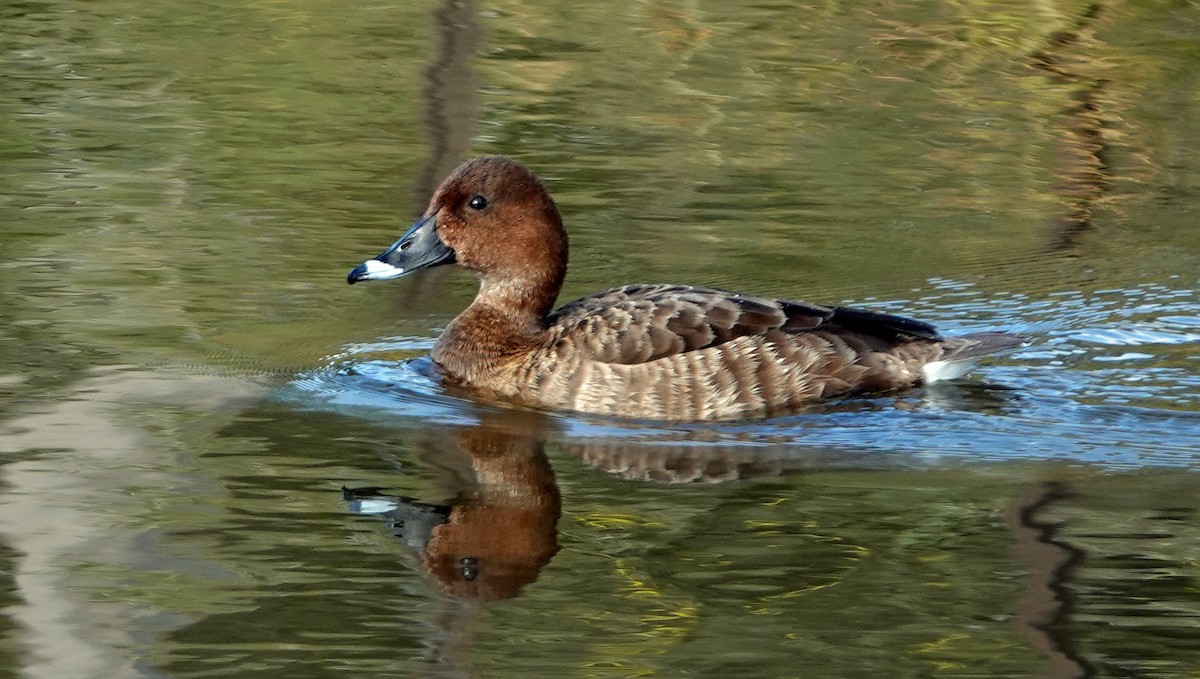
<point>641,323</point>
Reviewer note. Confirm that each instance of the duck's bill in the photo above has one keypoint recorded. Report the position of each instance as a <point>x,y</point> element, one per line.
<point>420,248</point>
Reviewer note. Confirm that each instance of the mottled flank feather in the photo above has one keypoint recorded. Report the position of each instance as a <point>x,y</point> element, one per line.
<point>672,352</point>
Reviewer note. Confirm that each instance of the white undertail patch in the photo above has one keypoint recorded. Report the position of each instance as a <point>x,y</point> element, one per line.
<point>940,371</point>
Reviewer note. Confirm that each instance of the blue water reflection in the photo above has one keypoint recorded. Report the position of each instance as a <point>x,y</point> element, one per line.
<point>1081,392</point>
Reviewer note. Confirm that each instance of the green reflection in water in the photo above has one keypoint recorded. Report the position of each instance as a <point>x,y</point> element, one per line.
<point>182,187</point>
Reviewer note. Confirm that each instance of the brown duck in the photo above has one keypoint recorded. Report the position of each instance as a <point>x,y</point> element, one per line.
<point>664,352</point>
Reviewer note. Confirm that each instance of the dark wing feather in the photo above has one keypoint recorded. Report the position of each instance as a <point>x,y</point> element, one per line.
<point>884,326</point>
<point>640,323</point>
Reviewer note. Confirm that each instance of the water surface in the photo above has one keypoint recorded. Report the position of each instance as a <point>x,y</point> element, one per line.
<point>187,385</point>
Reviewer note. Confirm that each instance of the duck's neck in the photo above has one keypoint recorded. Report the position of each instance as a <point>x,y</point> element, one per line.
<point>507,318</point>
<point>525,297</point>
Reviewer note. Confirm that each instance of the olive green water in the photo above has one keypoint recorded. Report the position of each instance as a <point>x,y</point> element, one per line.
<point>187,384</point>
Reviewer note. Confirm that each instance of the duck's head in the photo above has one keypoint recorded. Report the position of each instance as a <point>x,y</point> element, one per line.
<point>491,215</point>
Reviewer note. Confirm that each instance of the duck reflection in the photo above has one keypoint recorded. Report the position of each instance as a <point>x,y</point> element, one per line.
<point>684,463</point>
<point>498,529</point>
<point>497,532</point>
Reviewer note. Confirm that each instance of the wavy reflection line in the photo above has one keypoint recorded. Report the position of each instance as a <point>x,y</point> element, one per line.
<point>452,104</point>
<point>1083,175</point>
<point>1044,608</point>
<point>450,93</point>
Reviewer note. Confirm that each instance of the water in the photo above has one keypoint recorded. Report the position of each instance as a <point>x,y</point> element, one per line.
<point>187,385</point>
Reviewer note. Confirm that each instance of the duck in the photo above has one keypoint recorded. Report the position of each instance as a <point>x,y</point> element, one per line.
<point>659,352</point>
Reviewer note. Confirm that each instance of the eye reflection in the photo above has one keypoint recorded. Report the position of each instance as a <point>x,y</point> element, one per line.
<point>468,569</point>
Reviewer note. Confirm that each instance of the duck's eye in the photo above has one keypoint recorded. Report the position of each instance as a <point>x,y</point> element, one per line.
<point>477,203</point>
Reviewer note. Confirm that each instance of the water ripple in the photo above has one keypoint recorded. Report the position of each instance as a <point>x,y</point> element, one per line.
<point>1067,396</point>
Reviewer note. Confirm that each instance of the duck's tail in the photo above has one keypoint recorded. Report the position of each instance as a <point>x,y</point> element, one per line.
<point>959,354</point>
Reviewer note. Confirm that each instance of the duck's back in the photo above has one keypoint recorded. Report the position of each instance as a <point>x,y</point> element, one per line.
<point>691,353</point>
